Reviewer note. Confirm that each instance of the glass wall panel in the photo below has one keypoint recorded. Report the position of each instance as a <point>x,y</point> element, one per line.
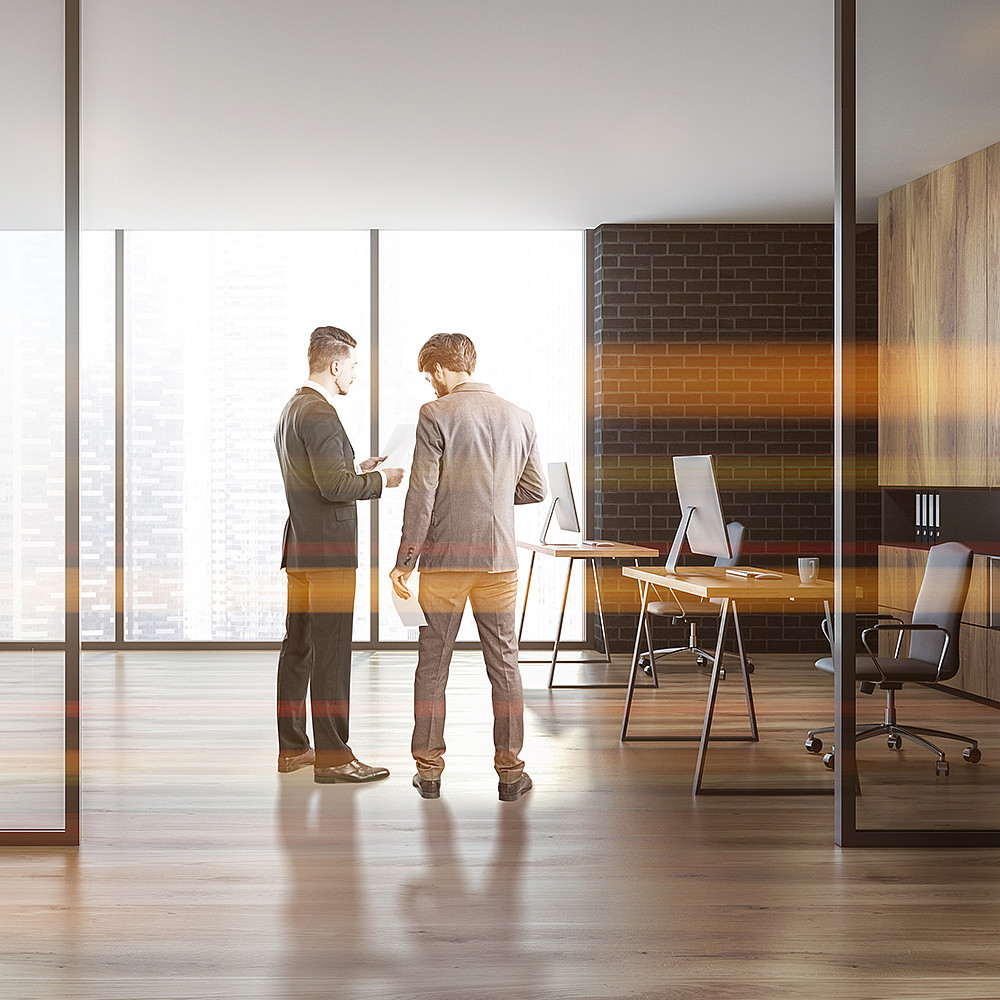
<point>32,536</point>
<point>97,436</point>
<point>519,296</point>
<point>32,539</point>
<point>217,326</point>
<point>35,783</point>
<point>32,736</point>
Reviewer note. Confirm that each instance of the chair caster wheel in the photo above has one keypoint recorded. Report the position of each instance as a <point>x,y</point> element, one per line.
<point>972,755</point>
<point>894,742</point>
<point>941,768</point>
<point>829,760</point>
<point>647,668</point>
<point>814,744</point>
<point>750,666</point>
<point>701,662</point>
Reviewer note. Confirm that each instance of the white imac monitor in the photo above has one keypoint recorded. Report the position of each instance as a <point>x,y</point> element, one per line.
<point>702,520</point>
<point>562,505</point>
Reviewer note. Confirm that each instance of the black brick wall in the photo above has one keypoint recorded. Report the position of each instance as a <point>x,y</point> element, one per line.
<point>718,339</point>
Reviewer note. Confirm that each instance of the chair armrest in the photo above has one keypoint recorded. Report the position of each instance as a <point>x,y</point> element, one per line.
<point>824,625</point>
<point>901,628</point>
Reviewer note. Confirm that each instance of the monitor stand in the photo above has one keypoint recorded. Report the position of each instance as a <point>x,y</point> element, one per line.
<point>675,548</point>
<point>548,521</point>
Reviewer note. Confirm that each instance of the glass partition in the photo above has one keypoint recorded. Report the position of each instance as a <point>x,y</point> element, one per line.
<point>32,535</point>
<point>39,642</point>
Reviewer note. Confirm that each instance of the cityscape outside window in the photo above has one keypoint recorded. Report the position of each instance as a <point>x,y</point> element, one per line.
<point>216,326</point>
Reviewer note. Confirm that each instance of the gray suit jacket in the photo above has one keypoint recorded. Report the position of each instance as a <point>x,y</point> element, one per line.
<point>321,486</point>
<point>476,456</point>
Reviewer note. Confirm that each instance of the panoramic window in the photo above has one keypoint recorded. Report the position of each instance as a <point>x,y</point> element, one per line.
<point>215,333</point>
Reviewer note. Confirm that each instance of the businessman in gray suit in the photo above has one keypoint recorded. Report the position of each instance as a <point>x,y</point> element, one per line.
<point>476,456</point>
<point>320,556</point>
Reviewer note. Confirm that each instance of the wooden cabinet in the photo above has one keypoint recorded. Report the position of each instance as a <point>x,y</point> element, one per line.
<point>900,571</point>
<point>939,240</point>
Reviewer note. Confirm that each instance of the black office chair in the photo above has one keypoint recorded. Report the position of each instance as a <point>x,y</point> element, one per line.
<point>932,654</point>
<point>688,611</point>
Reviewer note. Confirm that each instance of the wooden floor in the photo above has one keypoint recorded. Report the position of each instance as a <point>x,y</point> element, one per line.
<point>204,874</point>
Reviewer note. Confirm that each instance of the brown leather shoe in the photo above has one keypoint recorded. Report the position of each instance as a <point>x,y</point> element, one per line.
<point>511,790</point>
<point>353,771</point>
<point>429,788</point>
<point>293,761</point>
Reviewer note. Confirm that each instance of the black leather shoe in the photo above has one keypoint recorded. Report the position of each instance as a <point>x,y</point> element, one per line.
<point>293,761</point>
<point>353,771</point>
<point>428,788</point>
<point>512,790</point>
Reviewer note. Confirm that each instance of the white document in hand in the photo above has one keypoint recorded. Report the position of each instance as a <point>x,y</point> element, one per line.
<point>409,610</point>
<point>399,448</point>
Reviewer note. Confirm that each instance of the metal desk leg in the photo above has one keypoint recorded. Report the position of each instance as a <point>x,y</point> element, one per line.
<point>713,690</point>
<point>606,658</point>
<point>562,615</point>
<point>652,659</point>
<point>706,733</point>
<point>527,588</point>
<point>600,611</point>
<point>746,674</point>
<point>649,637</point>
<point>643,598</point>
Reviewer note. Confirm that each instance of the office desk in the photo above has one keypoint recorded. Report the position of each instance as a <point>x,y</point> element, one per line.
<point>710,583</point>
<point>573,552</point>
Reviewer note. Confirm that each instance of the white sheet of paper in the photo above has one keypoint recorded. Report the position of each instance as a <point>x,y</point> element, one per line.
<point>409,611</point>
<point>399,448</point>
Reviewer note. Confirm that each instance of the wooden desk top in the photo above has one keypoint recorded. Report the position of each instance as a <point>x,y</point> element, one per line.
<point>616,550</point>
<point>709,582</point>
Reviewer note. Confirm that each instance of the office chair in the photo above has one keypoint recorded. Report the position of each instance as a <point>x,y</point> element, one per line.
<point>686,610</point>
<point>932,654</point>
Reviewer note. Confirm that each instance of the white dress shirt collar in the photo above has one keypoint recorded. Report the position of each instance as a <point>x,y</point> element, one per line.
<point>310,384</point>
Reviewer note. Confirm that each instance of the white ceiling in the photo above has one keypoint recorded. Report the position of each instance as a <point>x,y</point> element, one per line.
<point>483,114</point>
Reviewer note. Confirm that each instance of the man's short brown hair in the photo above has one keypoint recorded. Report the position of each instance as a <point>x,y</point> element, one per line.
<point>326,345</point>
<point>453,351</point>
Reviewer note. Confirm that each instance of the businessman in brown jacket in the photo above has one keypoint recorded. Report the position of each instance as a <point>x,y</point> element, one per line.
<point>476,456</point>
<point>320,557</point>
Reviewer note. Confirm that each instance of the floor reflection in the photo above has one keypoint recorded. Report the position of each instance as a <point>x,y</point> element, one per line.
<point>326,928</point>
<point>380,908</point>
<point>461,913</point>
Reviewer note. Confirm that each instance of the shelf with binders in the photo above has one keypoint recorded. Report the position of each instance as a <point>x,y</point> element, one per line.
<point>912,517</point>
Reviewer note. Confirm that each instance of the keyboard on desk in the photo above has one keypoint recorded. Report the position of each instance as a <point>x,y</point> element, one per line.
<point>753,574</point>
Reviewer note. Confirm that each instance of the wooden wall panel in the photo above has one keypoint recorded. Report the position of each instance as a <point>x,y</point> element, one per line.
<point>897,371</point>
<point>969,361</point>
<point>975,646</point>
<point>936,334</point>
<point>939,417</point>
<point>977,604</point>
<point>993,307</point>
<point>887,640</point>
<point>900,571</point>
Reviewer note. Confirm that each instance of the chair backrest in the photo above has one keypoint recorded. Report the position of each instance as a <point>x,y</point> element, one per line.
<point>940,601</point>
<point>735,531</point>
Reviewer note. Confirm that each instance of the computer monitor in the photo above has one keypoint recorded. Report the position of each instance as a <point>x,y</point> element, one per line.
<point>702,520</point>
<point>562,505</point>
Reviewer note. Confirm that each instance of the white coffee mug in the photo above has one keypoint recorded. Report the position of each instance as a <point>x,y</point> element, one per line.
<point>808,569</point>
